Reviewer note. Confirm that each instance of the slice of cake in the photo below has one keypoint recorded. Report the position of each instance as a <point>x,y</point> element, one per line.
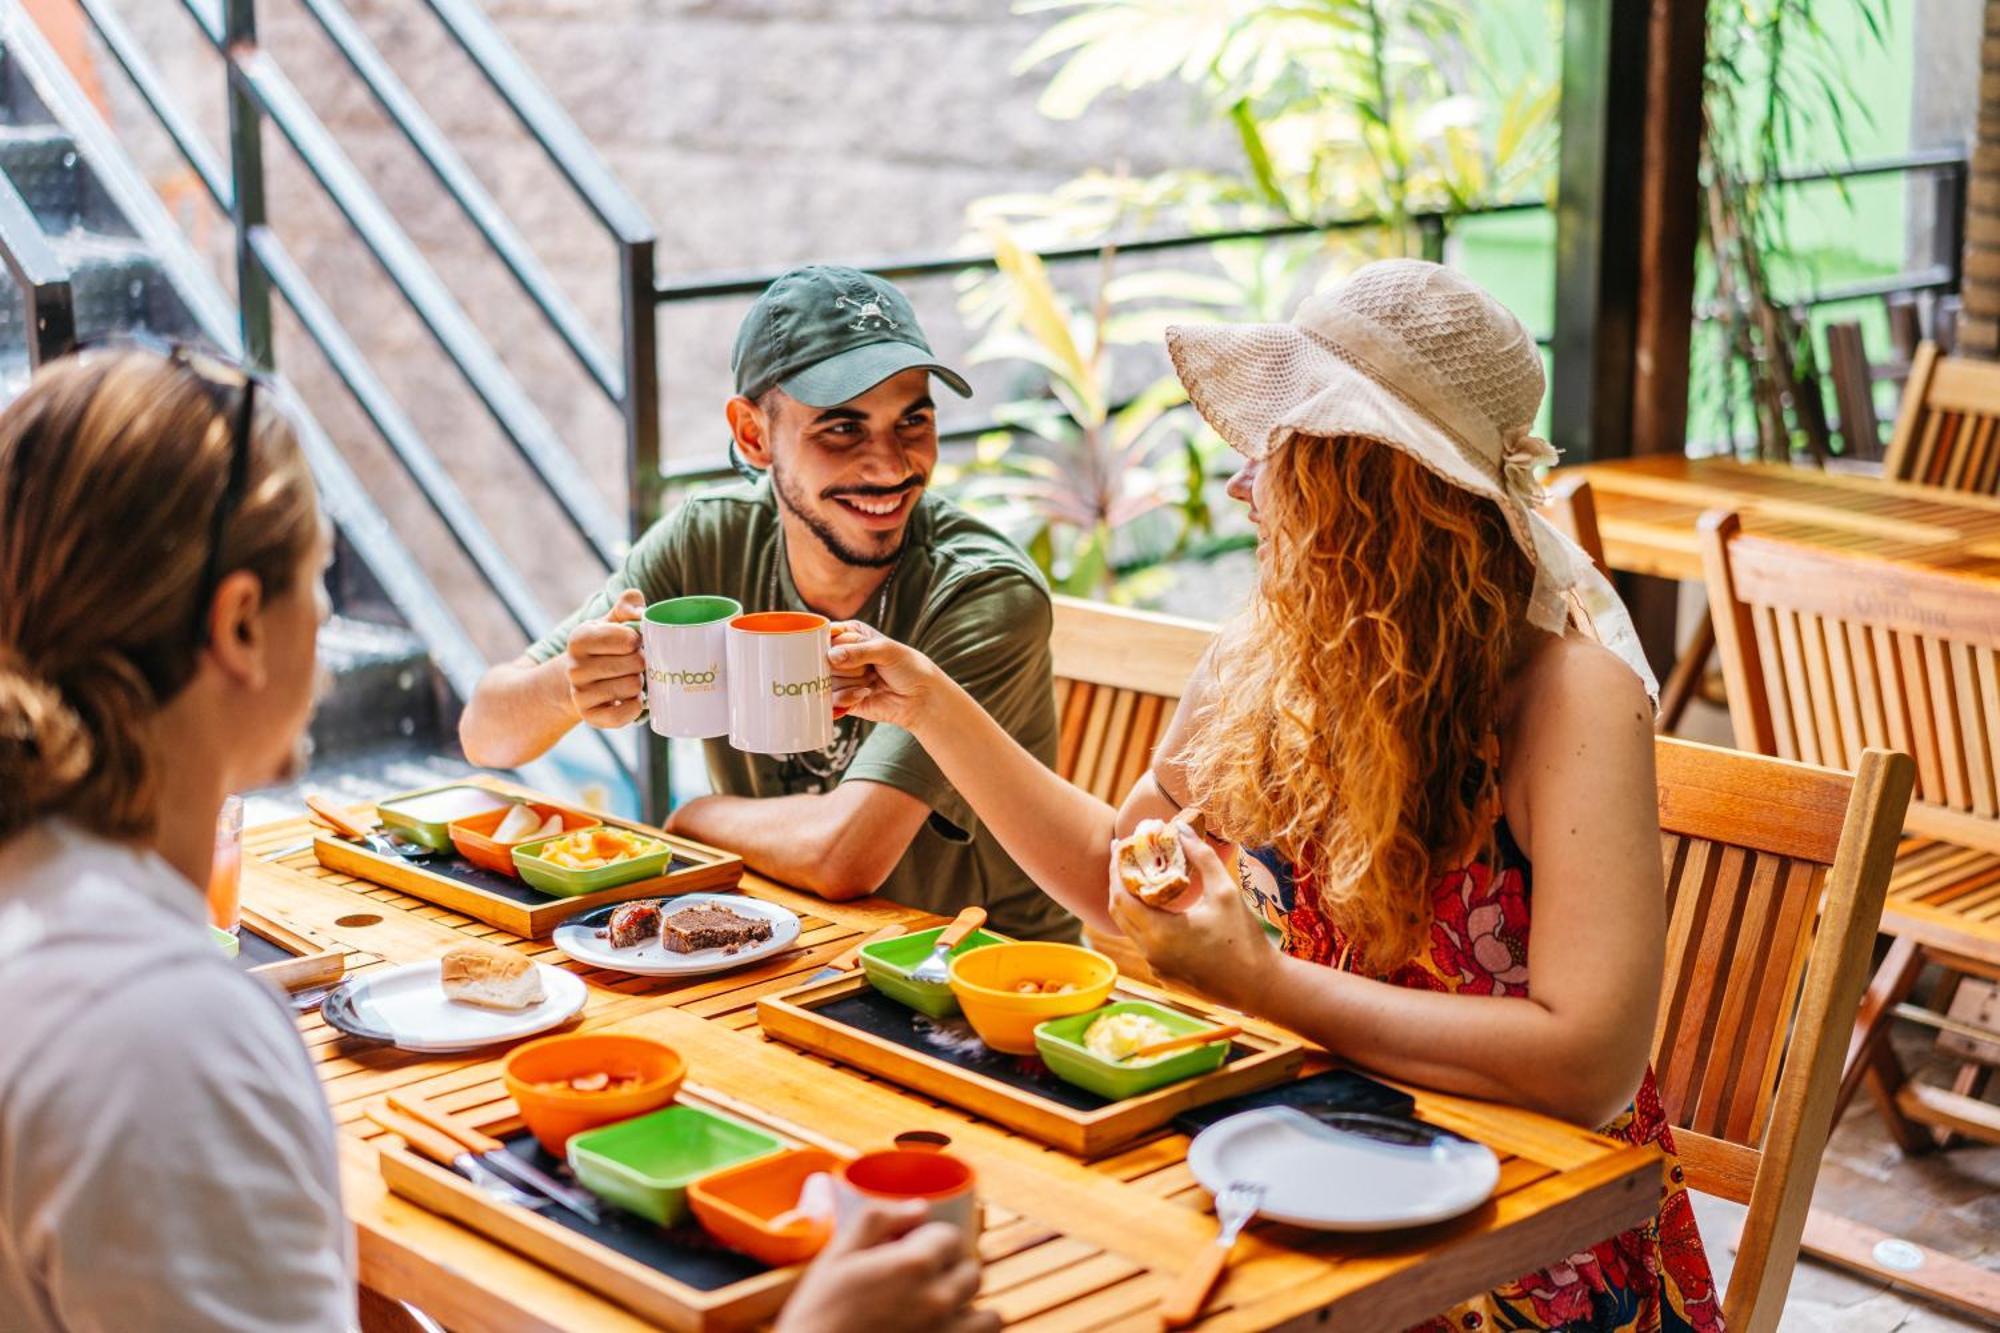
<point>710,926</point>
<point>633,923</point>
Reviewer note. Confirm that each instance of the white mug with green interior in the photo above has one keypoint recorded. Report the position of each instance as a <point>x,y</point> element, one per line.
<point>684,641</point>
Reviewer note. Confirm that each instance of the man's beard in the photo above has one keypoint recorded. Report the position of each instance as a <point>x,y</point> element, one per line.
<point>792,500</point>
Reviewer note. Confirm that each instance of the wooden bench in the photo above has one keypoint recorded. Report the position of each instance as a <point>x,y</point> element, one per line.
<point>1775,880</point>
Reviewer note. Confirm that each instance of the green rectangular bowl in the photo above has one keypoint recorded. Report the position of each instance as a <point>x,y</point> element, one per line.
<point>888,963</point>
<point>645,1165</point>
<point>408,815</point>
<point>1060,1043</point>
<point>566,883</point>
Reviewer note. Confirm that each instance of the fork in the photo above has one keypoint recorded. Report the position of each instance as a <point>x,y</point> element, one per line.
<point>387,841</point>
<point>1234,1208</point>
<point>936,969</point>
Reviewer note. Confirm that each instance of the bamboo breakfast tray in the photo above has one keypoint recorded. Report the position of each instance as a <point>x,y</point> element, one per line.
<point>847,1020</point>
<point>284,957</point>
<point>680,1279</point>
<point>450,881</point>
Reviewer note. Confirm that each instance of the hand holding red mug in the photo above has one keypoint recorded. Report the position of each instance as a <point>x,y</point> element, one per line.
<point>879,679</point>
<point>889,1269</point>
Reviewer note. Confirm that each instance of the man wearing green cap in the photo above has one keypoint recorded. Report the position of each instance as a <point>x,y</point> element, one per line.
<point>833,406</point>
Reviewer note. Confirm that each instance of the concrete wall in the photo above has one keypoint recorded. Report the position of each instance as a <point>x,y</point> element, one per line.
<point>755,133</point>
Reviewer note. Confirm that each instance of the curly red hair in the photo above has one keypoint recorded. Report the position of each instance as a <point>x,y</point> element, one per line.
<point>1354,702</point>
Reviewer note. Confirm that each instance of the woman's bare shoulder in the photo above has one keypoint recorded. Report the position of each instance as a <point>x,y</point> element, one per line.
<point>1573,682</point>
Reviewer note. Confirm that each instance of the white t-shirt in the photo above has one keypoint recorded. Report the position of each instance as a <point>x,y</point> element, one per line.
<point>167,1158</point>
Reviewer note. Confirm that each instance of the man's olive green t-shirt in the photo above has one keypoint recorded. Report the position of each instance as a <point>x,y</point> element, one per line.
<point>961,594</point>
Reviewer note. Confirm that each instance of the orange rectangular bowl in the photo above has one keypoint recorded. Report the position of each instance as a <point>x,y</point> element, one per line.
<point>736,1206</point>
<point>473,835</point>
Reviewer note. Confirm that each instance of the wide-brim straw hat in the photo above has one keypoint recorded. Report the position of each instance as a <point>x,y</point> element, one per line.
<point>1416,357</point>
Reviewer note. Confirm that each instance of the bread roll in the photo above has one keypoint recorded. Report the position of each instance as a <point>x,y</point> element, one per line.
<point>487,975</point>
<point>1152,865</point>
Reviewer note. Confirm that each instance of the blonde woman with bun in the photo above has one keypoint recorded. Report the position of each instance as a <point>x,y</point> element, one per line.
<point>166,1155</point>
<point>1429,732</point>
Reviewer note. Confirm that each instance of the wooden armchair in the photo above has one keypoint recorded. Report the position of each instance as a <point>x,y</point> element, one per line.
<point>1948,427</point>
<point>1775,879</point>
<point>1119,676</point>
<point>1827,652</point>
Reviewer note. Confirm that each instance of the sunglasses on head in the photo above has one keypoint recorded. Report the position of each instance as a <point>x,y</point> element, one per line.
<point>232,391</point>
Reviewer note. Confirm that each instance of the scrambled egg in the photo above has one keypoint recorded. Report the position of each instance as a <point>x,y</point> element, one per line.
<point>1116,1036</point>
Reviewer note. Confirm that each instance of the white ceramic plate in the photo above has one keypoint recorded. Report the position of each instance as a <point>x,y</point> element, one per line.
<point>578,937</point>
<point>407,1006</point>
<point>1334,1180</point>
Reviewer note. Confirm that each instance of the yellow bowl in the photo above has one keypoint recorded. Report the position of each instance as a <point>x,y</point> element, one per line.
<point>986,982</point>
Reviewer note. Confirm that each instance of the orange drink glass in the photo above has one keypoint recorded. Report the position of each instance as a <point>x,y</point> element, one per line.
<point>225,874</point>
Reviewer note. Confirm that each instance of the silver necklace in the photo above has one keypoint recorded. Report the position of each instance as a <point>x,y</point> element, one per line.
<point>822,768</point>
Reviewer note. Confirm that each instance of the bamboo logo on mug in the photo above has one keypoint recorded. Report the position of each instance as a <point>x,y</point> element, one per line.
<point>780,687</point>
<point>685,642</point>
<point>694,682</point>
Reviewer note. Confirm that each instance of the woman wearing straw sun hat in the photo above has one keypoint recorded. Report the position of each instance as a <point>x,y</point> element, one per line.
<point>1432,702</point>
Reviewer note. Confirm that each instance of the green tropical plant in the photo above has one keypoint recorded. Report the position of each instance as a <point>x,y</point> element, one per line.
<point>1379,110</point>
<point>1776,75</point>
<point>1101,493</point>
<point>1343,108</point>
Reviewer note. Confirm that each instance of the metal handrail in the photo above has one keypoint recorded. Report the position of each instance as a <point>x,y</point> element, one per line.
<point>42,277</point>
<point>152,90</point>
<point>746,282</point>
<point>506,402</point>
<point>566,147</point>
<point>468,532</point>
<point>479,207</point>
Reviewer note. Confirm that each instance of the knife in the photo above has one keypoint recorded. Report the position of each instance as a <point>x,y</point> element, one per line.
<point>489,1150</point>
<point>845,962</point>
<point>446,1152</point>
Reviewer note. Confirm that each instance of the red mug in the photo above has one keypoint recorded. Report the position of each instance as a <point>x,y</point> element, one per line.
<point>917,1168</point>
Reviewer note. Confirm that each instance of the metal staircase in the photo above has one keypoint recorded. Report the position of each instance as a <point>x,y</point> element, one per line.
<point>93,252</point>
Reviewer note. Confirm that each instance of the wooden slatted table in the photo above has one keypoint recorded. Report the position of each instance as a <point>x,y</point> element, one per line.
<point>1068,1246</point>
<point>1648,510</point>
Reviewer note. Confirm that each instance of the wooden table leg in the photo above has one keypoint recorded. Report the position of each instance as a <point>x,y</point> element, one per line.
<point>1685,679</point>
<point>1938,1277</point>
<point>1892,983</point>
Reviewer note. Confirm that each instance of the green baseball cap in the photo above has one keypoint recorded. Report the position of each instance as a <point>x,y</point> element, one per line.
<point>825,335</point>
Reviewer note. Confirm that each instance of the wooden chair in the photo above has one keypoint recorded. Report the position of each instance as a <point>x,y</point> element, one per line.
<point>1948,427</point>
<point>1854,391</point>
<point>1827,652</point>
<point>1573,511</point>
<point>1119,676</point>
<point>1775,880</point>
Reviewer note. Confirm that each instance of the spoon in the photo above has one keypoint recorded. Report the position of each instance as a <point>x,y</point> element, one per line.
<point>1181,1043</point>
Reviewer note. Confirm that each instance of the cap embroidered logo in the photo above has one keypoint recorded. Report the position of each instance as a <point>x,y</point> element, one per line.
<point>867,314</point>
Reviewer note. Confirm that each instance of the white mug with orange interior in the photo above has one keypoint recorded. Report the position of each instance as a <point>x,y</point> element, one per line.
<point>780,686</point>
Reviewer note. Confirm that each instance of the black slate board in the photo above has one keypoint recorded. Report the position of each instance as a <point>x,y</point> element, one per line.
<point>953,1041</point>
<point>253,950</point>
<point>1333,1090</point>
<point>455,867</point>
<point>687,1253</point>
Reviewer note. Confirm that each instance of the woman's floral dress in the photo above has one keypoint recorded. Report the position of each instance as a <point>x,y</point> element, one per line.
<point>1652,1279</point>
